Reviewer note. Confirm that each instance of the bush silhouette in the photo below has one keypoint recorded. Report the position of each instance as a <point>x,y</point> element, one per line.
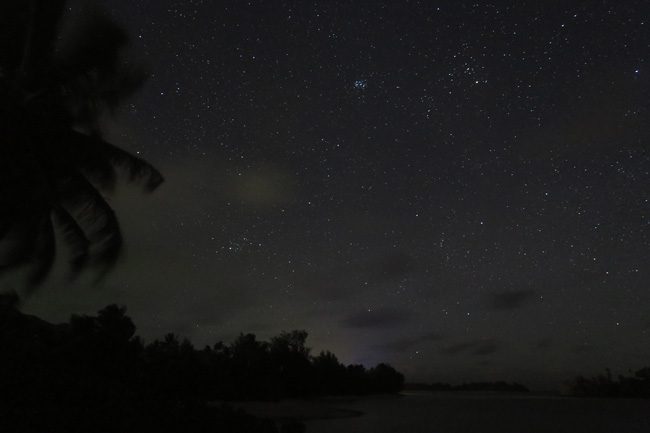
<point>97,365</point>
<point>637,386</point>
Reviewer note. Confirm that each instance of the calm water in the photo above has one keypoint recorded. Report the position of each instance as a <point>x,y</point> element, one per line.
<point>490,414</point>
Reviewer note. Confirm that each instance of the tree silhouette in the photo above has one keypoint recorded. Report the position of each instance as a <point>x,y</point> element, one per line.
<point>54,165</point>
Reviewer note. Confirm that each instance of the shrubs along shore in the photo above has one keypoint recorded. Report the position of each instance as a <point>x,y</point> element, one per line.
<point>94,374</point>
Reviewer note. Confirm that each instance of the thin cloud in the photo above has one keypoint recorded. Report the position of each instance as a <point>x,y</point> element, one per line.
<point>511,300</point>
<point>476,347</point>
<point>376,318</point>
<point>404,344</point>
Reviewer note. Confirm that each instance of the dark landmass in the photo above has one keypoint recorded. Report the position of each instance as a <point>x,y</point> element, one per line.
<point>474,386</point>
<point>600,386</point>
<point>637,386</point>
<point>93,374</point>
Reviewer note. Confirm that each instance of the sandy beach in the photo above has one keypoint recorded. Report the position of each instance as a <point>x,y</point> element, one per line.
<point>293,409</point>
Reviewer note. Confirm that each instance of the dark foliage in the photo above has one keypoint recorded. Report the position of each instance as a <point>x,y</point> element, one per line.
<point>637,386</point>
<point>249,369</point>
<point>54,165</point>
<point>94,374</point>
<point>90,375</point>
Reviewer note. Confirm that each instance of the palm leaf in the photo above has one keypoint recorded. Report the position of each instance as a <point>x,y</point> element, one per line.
<point>44,252</point>
<point>51,174</point>
<point>95,218</point>
<point>97,159</point>
<point>74,237</point>
<point>42,26</point>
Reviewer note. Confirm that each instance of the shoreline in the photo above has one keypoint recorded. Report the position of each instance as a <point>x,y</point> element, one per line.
<point>293,409</point>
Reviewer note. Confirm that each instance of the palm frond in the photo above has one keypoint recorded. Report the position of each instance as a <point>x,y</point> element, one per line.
<point>93,43</point>
<point>42,27</point>
<point>44,253</point>
<point>51,174</point>
<point>74,237</point>
<point>98,159</point>
<point>95,218</point>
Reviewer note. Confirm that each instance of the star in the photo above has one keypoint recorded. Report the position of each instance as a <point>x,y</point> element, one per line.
<point>361,84</point>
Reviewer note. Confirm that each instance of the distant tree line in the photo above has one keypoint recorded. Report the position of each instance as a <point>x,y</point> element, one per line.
<point>637,386</point>
<point>94,372</point>
<point>249,369</point>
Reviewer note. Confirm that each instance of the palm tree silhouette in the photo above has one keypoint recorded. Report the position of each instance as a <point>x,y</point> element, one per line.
<point>54,165</point>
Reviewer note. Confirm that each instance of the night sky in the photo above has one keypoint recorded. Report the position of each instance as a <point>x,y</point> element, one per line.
<point>458,188</point>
